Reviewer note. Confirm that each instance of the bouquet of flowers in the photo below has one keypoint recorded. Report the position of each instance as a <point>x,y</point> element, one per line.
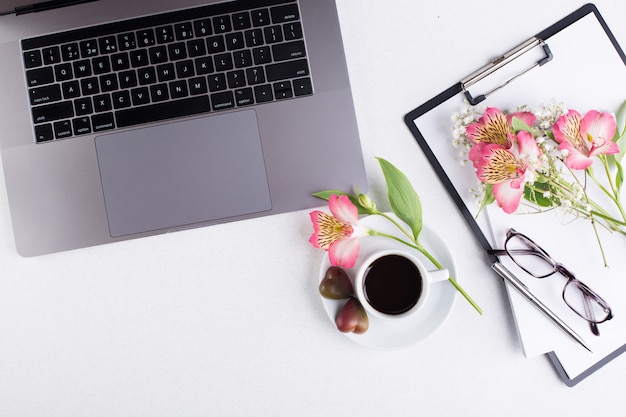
<point>533,162</point>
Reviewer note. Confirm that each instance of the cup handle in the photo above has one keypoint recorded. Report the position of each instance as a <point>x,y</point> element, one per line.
<point>438,275</point>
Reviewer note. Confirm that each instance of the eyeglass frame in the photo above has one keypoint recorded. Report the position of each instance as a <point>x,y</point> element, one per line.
<point>535,249</point>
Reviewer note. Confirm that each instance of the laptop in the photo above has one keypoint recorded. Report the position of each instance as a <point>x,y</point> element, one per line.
<point>129,118</point>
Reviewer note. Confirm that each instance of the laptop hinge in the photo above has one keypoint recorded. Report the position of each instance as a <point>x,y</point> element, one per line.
<point>46,5</point>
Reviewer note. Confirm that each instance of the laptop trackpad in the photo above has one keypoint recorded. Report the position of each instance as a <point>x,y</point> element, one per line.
<point>183,173</point>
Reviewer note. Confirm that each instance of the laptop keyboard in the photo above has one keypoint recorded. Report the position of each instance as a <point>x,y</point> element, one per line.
<point>175,64</point>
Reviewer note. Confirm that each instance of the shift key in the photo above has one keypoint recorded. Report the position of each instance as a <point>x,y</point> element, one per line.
<point>50,112</point>
<point>285,70</point>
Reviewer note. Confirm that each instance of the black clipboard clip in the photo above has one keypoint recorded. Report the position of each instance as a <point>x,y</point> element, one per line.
<point>501,61</point>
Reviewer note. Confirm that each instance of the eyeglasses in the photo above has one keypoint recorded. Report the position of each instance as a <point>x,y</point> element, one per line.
<point>535,261</point>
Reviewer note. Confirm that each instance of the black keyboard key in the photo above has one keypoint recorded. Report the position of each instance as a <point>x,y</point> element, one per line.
<point>244,96</point>
<point>71,89</point>
<point>196,48</point>
<point>273,34</point>
<point>162,111</point>
<point>108,82</point>
<point>215,44</point>
<point>285,13</point>
<point>183,31</point>
<point>145,37</point>
<point>39,76</point>
<point>45,94</point>
<point>51,55</point>
<point>121,99</point>
<point>260,17</point>
<point>62,129</point>
<point>292,31</point>
<point>217,82</point>
<point>146,76</point>
<point>32,59</point>
<point>126,41</point>
<point>165,72</point>
<point>262,55</point>
<point>102,103</point>
<point>158,55</point>
<point>302,87</point>
<point>242,59</point>
<point>63,72</point>
<point>254,37</point>
<point>44,133</point>
<point>177,51</point>
<point>140,96</point>
<point>82,125</point>
<point>289,69</point>
<point>101,65</point>
<point>255,75</point>
<point>70,52</point>
<point>184,69</point>
<point>108,44</point>
<point>82,68</point>
<point>234,41</point>
<point>53,112</point>
<point>139,58</point>
<point>120,62</point>
<point>204,65</point>
<point>83,106</point>
<point>159,92</point>
<point>164,34</point>
<point>289,50</point>
<point>89,86</point>
<point>103,121</point>
<point>127,79</point>
<point>236,79</point>
<point>197,86</point>
<point>222,24</point>
<point>88,48</point>
<point>203,27</point>
<point>223,100</point>
<point>263,93</point>
<point>282,90</point>
<point>241,21</point>
<point>223,62</point>
<point>178,89</point>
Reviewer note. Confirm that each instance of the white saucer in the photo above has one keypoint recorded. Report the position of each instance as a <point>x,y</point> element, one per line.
<point>397,333</point>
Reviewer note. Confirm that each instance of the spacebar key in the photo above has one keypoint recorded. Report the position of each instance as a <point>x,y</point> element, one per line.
<point>161,111</point>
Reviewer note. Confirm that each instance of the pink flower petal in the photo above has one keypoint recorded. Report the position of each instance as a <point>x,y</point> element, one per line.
<point>343,253</point>
<point>508,197</point>
<point>342,208</point>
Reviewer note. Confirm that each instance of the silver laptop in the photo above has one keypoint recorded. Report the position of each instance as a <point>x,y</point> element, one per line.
<point>127,118</point>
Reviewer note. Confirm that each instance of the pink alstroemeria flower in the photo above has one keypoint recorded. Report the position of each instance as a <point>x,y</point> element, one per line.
<point>508,170</point>
<point>338,234</point>
<point>494,127</point>
<point>585,137</point>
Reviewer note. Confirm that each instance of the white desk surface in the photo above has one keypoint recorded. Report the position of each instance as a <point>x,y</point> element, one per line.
<point>227,321</point>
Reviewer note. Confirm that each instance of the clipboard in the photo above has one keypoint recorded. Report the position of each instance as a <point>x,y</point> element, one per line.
<point>548,66</point>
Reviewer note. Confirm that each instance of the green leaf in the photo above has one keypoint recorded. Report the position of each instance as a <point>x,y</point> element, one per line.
<point>535,194</point>
<point>403,198</point>
<point>519,125</point>
<point>325,195</point>
<point>487,199</point>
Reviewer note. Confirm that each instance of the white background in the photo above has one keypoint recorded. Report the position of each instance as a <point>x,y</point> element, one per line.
<point>227,321</point>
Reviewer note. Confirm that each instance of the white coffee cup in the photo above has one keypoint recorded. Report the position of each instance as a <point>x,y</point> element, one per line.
<point>394,283</point>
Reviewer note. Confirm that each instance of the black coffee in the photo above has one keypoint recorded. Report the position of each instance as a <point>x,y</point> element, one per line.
<point>392,284</point>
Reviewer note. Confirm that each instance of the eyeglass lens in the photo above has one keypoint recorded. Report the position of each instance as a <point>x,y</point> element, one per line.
<point>584,302</point>
<point>529,256</point>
